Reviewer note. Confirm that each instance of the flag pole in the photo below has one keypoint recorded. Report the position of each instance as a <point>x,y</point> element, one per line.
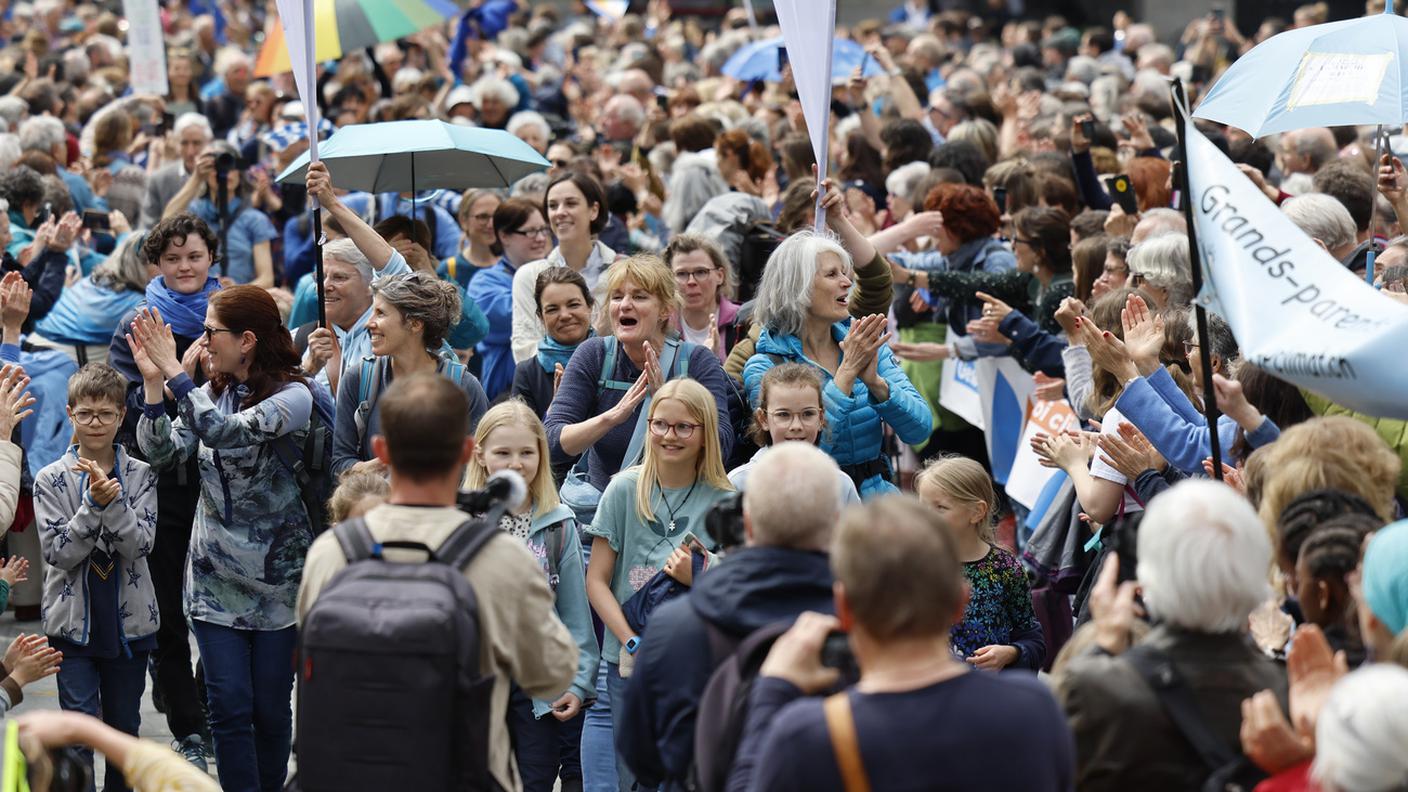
<point>1379,147</point>
<point>312,115</point>
<point>1180,106</point>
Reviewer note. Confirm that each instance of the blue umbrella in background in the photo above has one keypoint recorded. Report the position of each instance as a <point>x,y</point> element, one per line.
<point>1344,73</point>
<point>759,61</point>
<point>1337,74</point>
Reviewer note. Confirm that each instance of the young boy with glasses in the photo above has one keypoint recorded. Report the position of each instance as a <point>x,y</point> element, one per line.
<point>95,510</point>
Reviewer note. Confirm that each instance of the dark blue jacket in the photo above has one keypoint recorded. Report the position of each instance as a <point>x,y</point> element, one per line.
<point>752,588</point>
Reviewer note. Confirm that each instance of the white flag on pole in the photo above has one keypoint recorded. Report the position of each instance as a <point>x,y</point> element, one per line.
<point>809,31</point>
<point>1296,311</point>
<point>297,16</point>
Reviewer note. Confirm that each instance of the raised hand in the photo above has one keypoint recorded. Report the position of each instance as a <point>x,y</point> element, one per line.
<point>1130,454</point>
<point>157,344</point>
<point>1066,315</point>
<point>1107,351</point>
<point>922,352</point>
<point>15,570</point>
<point>101,489</point>
<point>1143,334</point>
<point>623,409</point>
<point>1065,451</point>
<point>1049,388</point>
<point>654,376</point>
<point>993,308</point>
<point>38,661</point>
<point>15,401</point>
<point>1233,404</point>
<point>15,297</point>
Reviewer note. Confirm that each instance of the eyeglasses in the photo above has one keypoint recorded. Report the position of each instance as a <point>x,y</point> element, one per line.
<point>1115,272</point>
<point>807,417</point>
<point>560,163</point>
<point>1189,346</point>
<point>1136,278</point>
<point>211,331</point>
<point>90,417</point>
<point>685,276</point>
<point>533,232</point>
<point>683,431</point>
<point>1031,243</point>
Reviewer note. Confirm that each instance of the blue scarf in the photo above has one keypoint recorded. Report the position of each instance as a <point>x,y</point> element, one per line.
<point>551,352</point>
<point>184,312</point>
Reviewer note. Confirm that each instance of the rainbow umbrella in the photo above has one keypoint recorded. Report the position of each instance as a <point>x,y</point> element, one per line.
<point>349,25</point>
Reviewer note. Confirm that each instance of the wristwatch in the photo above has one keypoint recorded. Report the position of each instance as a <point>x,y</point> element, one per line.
<point>632,645</point>
<point>913,278</point>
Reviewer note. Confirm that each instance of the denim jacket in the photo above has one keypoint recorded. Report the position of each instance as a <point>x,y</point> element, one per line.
<point>71,526</point>
<point>251,531</point>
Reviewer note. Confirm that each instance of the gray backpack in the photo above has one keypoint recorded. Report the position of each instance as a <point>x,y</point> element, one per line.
<point>390,694</point>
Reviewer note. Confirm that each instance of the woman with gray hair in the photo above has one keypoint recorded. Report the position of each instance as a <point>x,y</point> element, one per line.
<point>1361,731</point>
<point>803,306</point>
<point>410,317</point>
<point>1160,267</point>
<point>81,321</point>
<point>494,100</point>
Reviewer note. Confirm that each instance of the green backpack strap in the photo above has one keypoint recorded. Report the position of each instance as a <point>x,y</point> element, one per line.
<point>608,368</point>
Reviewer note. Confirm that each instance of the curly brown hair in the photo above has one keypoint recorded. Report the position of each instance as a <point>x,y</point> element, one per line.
<point>173,231</point>
<point>969,212</point>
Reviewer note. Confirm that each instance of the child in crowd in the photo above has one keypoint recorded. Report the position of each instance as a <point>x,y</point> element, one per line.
<point>999,627</point>
<point>96,512</point>
<point>1321,583</point>
<point>790,409</point>
<point>358,492</point>
<point>644,516</point>
<point>510,437</point>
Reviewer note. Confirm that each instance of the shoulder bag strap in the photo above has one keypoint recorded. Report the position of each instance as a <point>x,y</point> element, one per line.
<point>356,539</point>
<point>1159,672</point>
<point>460,547</point>
<point>637,445</point>
<point>841,725</point>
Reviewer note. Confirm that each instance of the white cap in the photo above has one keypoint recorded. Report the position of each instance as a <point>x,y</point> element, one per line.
<point>461,95</point>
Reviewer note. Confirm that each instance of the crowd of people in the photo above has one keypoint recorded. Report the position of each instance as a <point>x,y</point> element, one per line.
<point>753,548</point>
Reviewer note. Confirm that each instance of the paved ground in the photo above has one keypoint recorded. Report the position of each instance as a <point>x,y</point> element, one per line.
<point>45,693</point>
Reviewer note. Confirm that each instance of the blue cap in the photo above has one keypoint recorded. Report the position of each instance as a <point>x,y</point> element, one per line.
<point>1385,576</point>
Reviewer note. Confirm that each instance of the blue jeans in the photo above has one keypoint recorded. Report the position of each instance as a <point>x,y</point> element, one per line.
<point>599,764</point>
<point>249,683</point>
<point>545,747</point>
<point>110,689</point>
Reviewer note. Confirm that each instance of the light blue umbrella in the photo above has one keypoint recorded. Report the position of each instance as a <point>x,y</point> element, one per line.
<point>758,61</point>
<point>1337,74</point>
<point>405,156</point>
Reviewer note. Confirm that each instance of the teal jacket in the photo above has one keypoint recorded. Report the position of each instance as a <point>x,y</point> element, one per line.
<point>571,590</point>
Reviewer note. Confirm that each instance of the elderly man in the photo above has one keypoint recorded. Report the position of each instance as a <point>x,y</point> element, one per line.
<point>225,102</point>
<point>193,134</point>
<point>621,119</point>
<point>1305,150</point>
<point>1202,557</point>
<point>789,510</point>
<point>1324,220</point>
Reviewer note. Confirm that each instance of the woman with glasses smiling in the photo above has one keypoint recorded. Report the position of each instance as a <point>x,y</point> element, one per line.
<point>522,235</point>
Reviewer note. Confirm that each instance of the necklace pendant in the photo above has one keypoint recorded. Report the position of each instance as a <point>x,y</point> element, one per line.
<point>671,527</point>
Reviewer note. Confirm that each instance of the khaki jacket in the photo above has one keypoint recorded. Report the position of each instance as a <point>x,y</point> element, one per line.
<point>522,640</point>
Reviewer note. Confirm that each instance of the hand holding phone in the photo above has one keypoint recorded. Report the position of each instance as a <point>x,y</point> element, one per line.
<point>1121,189</point>
<point>95,220</point>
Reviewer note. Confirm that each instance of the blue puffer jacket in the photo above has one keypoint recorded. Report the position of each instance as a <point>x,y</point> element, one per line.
<point>853,431</point>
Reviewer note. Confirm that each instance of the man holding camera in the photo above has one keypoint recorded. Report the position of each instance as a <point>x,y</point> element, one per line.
<point>424,443</point>
<point>917,710</point>
<point>789,509</point>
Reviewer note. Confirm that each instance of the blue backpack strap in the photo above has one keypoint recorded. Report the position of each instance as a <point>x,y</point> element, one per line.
<point>364,388</point>
<point>367,391</point>
<point>453,371</point>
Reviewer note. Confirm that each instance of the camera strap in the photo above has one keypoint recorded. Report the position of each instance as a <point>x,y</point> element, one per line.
<point>841,725</point>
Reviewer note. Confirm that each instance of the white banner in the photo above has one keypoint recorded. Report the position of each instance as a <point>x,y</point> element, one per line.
<point>146,47</point>
<point>1295,310</point>
<point>1028,478</point>
<point>958,390</point>
<point>809,31</point>
<point>296,17</point>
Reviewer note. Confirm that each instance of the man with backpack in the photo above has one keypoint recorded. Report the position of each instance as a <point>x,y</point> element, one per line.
<point>789,509</point>
<point>412,710</point>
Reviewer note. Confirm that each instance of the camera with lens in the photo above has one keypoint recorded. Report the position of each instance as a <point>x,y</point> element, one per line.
<point>224,162</point>
<point>724,522</point>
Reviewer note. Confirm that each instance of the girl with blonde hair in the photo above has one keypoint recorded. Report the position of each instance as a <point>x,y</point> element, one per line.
<point>999,627</point>
<point>510,437</point>
<point>645,515</point>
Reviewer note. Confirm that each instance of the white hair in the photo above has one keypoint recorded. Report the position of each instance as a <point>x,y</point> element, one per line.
<point>784,297</point>
<point>905,178</point>
<point>12,109</point>
<point>187,120</point>
<point>1203,553</point>
<point>346,251</point>
<point>1159,222</point>
<point>791,498</point>
<point>230,58</point>
<point>1361,731</point>
<point>77,66</point>
<point>406,80</point>
<point>527,118</point>
<point>503,89</point>
<point>1082,68</point>
<point>9,151</point>
<point>1321,217</point>
<point>41,133</point>
<point>1163,263</point>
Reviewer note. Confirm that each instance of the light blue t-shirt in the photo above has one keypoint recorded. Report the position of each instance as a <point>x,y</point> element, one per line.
<point>247,229</point>
<point>643,548</point>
